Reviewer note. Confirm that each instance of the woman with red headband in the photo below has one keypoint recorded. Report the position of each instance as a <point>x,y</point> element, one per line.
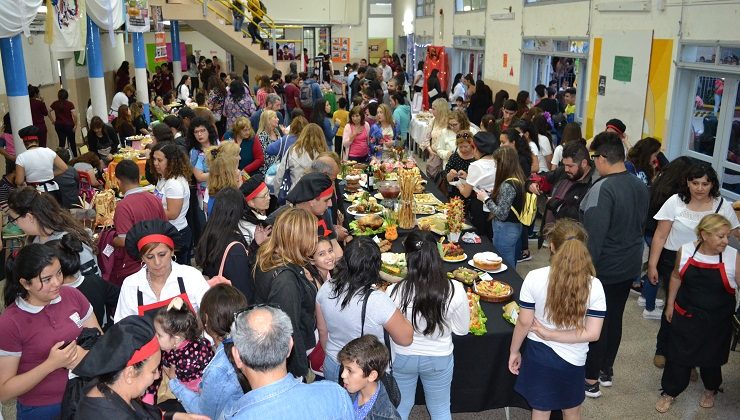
<point>160,279</point>
<point>38,165</point>
<point>123,363</point>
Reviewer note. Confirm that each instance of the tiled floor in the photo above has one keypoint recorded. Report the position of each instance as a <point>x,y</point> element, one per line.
<point>636,380</point>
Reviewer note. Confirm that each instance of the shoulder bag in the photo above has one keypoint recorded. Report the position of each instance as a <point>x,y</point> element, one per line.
<point>219,278</point>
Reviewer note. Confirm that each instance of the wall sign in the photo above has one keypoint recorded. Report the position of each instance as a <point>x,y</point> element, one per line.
<point>602,85</point>
<point>622,68</point>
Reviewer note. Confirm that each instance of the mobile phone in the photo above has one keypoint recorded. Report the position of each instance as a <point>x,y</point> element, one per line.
<point>66,344</point>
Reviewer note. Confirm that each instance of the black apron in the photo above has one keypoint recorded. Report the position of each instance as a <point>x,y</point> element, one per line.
<point>150,310</point>
<point>701,327</point>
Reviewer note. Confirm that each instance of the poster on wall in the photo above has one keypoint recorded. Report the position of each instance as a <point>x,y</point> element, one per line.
<point>340,50</point>
<point>323,40</point>
<point>160,48</point>
<point>137,15</point>
<point>68,21</point>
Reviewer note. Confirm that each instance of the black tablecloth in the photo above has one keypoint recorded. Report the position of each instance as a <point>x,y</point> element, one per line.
<point>481,379</point>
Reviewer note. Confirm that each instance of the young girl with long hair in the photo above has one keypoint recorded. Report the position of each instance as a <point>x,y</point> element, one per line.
<point>562,310</point>
<point>43,219</point>
<point>217,238</point>
<point>507,194</point>
<point>339,304</point>
<point>173,171</point>
<point>437,307</point>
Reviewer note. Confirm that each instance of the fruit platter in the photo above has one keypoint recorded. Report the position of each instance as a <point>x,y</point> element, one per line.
<point>392,266</point>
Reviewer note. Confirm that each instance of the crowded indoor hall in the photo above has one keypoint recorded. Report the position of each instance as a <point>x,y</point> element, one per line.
<point>531,207</point>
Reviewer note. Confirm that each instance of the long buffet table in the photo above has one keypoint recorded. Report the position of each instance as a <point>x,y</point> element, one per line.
<point>481,379</point>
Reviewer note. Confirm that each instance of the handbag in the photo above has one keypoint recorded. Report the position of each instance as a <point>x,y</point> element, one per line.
<point>272,169</point>
<point>287,182</point>
<point>219,278</point>
<point>389,382</point>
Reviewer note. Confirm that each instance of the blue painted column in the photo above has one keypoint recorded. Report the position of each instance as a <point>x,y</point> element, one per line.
<point>16,86</point>
<point>95,71</point>
<point>142,88</point>
<point>176,59</point>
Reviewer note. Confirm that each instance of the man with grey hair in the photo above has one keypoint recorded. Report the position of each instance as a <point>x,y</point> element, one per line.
<point>262,342</point>
<point>273,102</point>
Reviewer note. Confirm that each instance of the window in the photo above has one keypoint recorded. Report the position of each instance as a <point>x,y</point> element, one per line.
<point>538,2</point>
<point>424,8</point>
<point>469,5</point>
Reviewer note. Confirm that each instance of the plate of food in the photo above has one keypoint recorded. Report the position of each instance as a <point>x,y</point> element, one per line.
<point>464,275</point>
<point>425,209</point>
<point>352,183</point>
<point>352,197</point>
<point>488,261</point>
<point>451,252</point>
<point>371,224</point>
<point>392,266</point>
<point>437,223</point>
<point>426,198</point>
<point>495,291</point>
<point>364,207</point>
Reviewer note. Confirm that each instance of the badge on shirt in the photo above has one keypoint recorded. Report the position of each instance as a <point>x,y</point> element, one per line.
<point>75,317</point>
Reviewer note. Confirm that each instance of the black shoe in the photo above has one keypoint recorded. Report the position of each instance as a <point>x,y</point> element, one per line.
<point>532,236</point>
<point>592,390</point>
<point>525,256</point>
<point>605,377</point>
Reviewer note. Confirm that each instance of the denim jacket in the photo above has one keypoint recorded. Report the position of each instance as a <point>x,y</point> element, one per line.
<point>289,398</point>
<point>218,387</point>
<point>383,408</point>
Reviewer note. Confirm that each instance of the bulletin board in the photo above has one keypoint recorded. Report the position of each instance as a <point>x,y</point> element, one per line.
<point>625,63</point>
<point>375,48</point>
<point>151,65</point>
<point>340,50</point>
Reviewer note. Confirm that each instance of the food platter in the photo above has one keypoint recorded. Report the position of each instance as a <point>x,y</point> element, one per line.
<point>353,211</point>
<point>437,223</point>
<point>495,291</point>
<point>424,209</point>
<point>456,258</point>
<point>426,198</point>
<point>393,266</point>
<point>464,275</point>
<point>500,270</point>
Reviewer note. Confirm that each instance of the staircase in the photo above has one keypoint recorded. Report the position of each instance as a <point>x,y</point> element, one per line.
<point>217,27</point>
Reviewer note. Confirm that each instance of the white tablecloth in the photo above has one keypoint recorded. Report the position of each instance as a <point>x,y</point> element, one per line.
<point>419,130</point>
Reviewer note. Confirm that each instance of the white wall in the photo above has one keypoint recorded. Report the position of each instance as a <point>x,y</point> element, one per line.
<point>324,12</point>
<point>469,23</point>
<point>356,31</point>
<point>503,37</point>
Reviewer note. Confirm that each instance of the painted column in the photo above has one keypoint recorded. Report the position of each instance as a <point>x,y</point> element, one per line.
<point>142,90</point>
<point>95,71</point>
<point>16,86</point>
<point>176,59</point>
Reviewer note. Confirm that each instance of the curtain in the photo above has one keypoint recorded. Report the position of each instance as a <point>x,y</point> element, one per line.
<point>14,20</point>
<point>107,14</point>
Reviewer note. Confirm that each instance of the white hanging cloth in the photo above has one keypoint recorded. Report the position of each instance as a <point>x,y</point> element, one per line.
<point>14,20</point>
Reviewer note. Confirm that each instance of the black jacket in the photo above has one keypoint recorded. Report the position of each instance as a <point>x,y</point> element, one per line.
<point>289,289</point>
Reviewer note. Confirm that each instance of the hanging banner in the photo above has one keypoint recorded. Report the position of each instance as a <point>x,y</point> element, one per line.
<point>137,15</point>
<point>68,23</point>
<point>340,50</point>
<point>157,19</point>
<point>160,50</point>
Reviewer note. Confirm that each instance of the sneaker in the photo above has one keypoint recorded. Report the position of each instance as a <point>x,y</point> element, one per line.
<point>533,236</point>
<point>605,377</point>
<point>636,289</point>
<point>592,390</point>
<point>659,361</point>
<point>526,256</point>
<point>658,302</point>
<point>654,314</point>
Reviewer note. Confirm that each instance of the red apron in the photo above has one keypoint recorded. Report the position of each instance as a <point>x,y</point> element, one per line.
<point>701,327</point>
<point>150,310</point>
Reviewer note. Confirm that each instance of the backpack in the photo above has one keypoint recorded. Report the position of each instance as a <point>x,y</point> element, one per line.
<point>529,210</point>
<point>307,95</point>
<point>109,257</point>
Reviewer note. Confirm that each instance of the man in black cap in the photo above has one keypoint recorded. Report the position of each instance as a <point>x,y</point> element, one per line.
<point>313,192</point>
<point>262,344</point>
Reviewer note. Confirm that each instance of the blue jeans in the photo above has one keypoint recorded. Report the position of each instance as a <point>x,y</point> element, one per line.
<point>507,241</point>
<point>331,369</point>
<point>436,378</point>
<point>37,412</point>
<point>238,22</point>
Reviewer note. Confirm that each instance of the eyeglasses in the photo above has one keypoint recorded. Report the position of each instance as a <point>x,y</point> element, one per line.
<point>595,155</point>
<point>14,219</point>
<point>254,306</point>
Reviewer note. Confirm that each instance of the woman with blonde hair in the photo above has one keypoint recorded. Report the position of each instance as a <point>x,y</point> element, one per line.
<point>279,278</point>
<point>298,158</point>
<point>700,306</point>
<point>295,129</point>
<point>267,133</point>
<point>441,143</point>
<point>250,158</point>
<point>562,310</point>
<point>223,171</point>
